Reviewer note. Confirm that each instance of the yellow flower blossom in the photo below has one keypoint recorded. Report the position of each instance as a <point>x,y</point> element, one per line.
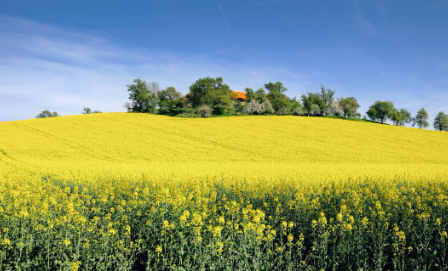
<point>290,224</point>
<point>158,250</point>
<point>6,241</point>
<point>339,217</point>
<point>217,231</point>
<point>66,242</point>
<point>74,266</point>
<point>145,173</point>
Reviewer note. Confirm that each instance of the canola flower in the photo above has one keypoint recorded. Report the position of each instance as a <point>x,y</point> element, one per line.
<point>135,191</point>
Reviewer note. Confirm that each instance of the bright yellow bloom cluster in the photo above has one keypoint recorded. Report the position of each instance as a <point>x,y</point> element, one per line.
<point>261,149</point>
<point>123,191</point>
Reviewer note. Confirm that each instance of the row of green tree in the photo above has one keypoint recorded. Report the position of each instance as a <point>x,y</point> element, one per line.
<point>49,114</point>
<point>214,94</point>
<point>382,110</point>
<point>209,96</point>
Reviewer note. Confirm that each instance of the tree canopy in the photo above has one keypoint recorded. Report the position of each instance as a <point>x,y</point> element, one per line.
<point>336,109</point>
<point>271,98</point>
<point>170,98</point>
<point>380,110</point>
<point>87,110</point>
<point>211,92</point>
<point>313,104</point>
<point>275,87</point>
<point>144,97</point>
<point>349,106</point>
<point>47,114</point>
<point>327,96</point>
<point>278,100</point>
<point>400,117</point>
<point>421,119</point>
<point>261,95</point>
<point>250,94</point>
<point>441,121</point>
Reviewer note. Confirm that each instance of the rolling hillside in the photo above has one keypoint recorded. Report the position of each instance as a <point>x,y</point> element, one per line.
<point>124,145</point>
<point>127,191</point>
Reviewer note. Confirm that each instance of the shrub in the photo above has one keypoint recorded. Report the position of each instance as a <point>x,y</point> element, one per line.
<point>283,111</point>
<point>266,107</point>
<point>253,107</point>
<point>205,111</point>
<point>188,115</point>
<point>298,110</point>
<point>47,114</point>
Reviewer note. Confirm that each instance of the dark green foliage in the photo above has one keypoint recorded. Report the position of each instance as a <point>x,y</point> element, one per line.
<point>349,106</point>
<point>170,99</point>
<point>310,101</point>
<point>327,96</point>
<point>296,107</point>
<point>350,118</point>
<point>205,111</point>
<point>421,119</point>
<point>372,114</point>
<point>381,110</point>
<point>87,110</point>
<point>211,92</point>
<point>441,121</point>
<point>275,87</point>
<point>143,99</point>
<point>405,117</point>
<point>278,100</point>
<point>238,107</point>
<point>261,95</point>
<point>138,95</point>
<point>47,114</point>
<point>400,117</point>
<point>250,94</point>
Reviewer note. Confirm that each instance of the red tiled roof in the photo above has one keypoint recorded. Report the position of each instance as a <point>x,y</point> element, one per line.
<point>239,95</point>
<point>233,94</point>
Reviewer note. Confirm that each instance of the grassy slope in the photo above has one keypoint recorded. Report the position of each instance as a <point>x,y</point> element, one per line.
<point>118,145</point>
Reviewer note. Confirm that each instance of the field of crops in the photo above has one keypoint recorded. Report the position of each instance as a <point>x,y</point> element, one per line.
<point>122,191</point>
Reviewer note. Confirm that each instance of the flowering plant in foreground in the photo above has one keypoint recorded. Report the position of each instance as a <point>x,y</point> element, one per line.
<point>50,224</point>
<point>134,191</point>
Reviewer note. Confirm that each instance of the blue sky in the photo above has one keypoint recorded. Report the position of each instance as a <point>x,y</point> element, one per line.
<point>67,55</point>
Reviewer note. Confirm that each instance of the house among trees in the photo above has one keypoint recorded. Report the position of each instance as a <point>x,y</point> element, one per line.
<point>212,96</point>
<point>238,96</point>
<point>234,95</point>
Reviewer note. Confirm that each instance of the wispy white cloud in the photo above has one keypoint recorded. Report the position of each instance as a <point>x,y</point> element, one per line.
<point>46,67</point>
<point>266,2</point>
<point>381,12</point>
<point>360,21</point>
<point>362,24</point>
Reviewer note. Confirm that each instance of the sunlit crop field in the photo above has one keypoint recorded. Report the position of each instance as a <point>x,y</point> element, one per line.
<point>123,191</point>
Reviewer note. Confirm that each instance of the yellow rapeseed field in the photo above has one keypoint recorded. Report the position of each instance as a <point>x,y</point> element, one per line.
<point>125,191</point>
<point>121,145</point>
